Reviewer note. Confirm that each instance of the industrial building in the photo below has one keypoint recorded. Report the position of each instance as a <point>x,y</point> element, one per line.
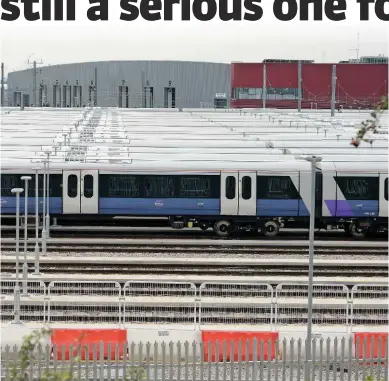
<point>128,84</point>
<point>178,84</point>
<point>356,84</point>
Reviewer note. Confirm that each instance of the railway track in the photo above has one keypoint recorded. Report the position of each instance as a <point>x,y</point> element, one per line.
<point>202,267</point>
<point>169,233</point>
<point>198,246</point>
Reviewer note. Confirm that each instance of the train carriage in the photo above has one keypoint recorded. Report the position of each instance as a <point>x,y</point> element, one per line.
<point>227,196</point>
<point>355,195</point>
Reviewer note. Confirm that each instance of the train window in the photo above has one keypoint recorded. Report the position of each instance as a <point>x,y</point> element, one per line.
<point>72,186</point>
<point>159,187</point>
<point>276,187</point>
<point>55,185</point>
<point>14,181</point>
<point>246,188</point>
<point>88,186</point>
<point>8,182</point>
<point>200,186</point>
<point>195,186</point>
<point>230,187</point>
<point>119,186</point>
<point>136,186</point>
<point>359,188</point>
<point>386,189</point>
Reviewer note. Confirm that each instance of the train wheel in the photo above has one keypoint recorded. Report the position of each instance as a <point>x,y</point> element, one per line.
<point>270,228</point>
<point>355,232</point>
<point>222,228</point>
<point>203,227</point>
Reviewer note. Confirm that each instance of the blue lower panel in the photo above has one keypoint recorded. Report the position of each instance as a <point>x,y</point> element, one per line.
<point>164,206</point>
<point>353,208</point>
<point>278,208</point>
<point>8,205</point>
<point>303,210</point>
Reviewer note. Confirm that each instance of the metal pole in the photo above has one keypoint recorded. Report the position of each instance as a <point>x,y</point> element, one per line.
<point>48,196</point>
<point>36,270</point>
<point>313,161</point>
<point>264,88</point>
<point>95,100</point>
<point>333,90</point>
<point>26,179</point>
<point>143,91</point>
<point>299,85</point>
<point>34,85</point>
<point>44,210</point>
<point>2,84</point>
<point>17,289</point>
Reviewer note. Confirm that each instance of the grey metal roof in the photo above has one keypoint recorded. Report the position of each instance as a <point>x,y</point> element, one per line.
<point>166,137</point>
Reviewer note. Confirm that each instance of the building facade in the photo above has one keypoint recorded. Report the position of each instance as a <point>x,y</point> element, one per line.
<point>130,84</point>
<point>357,84</point>
<point>169,84</point>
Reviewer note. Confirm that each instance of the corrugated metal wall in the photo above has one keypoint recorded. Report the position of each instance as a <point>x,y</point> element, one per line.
<point>195,82</point>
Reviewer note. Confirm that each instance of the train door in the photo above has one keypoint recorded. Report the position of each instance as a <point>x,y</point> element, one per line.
<point>80,192</point>
<point>229,198</point>
<point>247,193</point>
<point>238,194</point>
<point>383,200</point>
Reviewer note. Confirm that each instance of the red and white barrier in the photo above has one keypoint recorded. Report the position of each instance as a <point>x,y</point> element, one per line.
<point>106,339</point>
<point>370,345</point>
<point>232,339</point>
<point>366,344</point>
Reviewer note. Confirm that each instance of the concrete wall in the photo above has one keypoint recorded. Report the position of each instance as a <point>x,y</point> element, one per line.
<point>194,82</point>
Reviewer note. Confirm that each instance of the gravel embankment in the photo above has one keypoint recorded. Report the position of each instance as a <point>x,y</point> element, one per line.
<point>202,254</point>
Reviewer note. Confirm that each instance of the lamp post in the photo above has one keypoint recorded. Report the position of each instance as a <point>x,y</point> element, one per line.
<point>16,320</point>
<point>313,160</point>
<point>48,153</point>
<point>36,270</point>
<point>26,179</point>
<point>44,210</point>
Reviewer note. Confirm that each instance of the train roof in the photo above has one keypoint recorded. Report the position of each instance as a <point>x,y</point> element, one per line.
<point>20,166</point>
<point>99,137</point>
<point>150,166</point>
<point>364,167</point>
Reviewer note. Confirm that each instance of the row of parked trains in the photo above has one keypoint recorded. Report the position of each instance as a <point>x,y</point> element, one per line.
<point>263,197</point>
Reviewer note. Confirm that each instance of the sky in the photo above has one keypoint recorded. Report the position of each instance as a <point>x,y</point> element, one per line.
<point>214,41</point>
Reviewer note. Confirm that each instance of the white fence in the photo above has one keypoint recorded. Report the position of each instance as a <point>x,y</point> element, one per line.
<point>157,302</point>
<point>235,303</point>
<point>369,303</point>
<point>211,304</point>
<point>87,302</point>
<point>33,307</point>
<point>256,361</point>
<point>330,304</point>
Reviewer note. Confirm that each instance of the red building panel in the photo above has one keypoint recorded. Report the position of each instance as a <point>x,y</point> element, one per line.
<point>361,84</point>
<point>280,75</point>
<point>247,75</point>
<point>358,85</point>
<point>316,82</point>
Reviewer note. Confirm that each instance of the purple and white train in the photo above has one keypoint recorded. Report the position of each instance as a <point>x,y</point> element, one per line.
<point>263,196</point>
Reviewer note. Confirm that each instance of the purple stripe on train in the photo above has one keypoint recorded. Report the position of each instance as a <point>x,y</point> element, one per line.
<point>352,208</point>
